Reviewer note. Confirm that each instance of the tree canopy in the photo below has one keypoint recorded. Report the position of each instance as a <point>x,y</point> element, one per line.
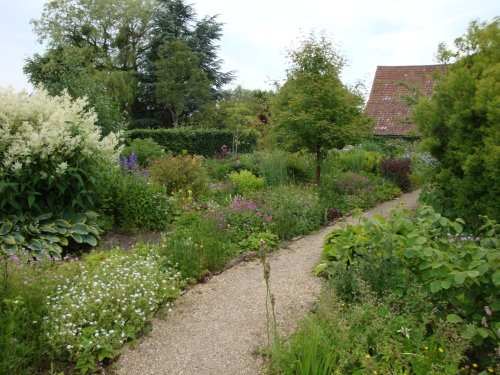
<point>313,109</point>
<point>103,48</point>
<point>461,125</point>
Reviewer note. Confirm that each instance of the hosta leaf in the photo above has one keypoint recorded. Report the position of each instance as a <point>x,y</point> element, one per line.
<point>48,228</point>
<point>6,228</point>
<point>77,237</point>
<point>62,223</point>
<point>91,240</point>
<point>80,229</point>
<point>10,249</point>
<point>79,219</point>
<point>9,239</point>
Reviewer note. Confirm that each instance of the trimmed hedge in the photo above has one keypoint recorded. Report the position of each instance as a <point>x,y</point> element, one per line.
<point>204,142</point>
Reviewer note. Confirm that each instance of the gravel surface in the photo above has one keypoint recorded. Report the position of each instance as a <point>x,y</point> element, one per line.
<point>214,327</point>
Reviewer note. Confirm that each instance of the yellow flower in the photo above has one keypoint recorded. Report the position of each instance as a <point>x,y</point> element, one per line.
<point>426,348</point>
<point>367,356</point>
<point>375,372</point>
<point>440,350</point>
<point>490,370</point>
<point>475,365</point>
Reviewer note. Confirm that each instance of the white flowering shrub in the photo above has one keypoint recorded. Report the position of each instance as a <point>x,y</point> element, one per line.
<point>91,315</point>
<point>51,151</point>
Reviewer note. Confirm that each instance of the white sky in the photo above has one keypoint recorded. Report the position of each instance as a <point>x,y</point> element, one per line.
<point>257,33</point>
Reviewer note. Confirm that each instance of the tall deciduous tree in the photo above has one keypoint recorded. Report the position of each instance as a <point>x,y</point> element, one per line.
<point>314,109</point>
<point>121,41</point>
<point>461,125</point>
<point>181,84</point>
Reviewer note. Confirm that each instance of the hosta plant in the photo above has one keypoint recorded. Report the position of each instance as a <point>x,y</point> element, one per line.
<point>46,236</point>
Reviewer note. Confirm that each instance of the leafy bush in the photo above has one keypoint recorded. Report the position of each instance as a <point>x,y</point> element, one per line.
<point>242,219</point>
<point>295,210</point>
<point>460,128</point>
<point>180,172</point>
<point>460,272</point>
<point>359,160</point>
<point>206,142</point>
<point>198,245</point>
<point>145,150</point>
<point>44,236</point>
<point>300,167</point>
<point>245,181</point>
<point>51,153</point>
<point>91,315</point>
<point>398,171</point>
<point>218,170</point>
<point>133,202</point>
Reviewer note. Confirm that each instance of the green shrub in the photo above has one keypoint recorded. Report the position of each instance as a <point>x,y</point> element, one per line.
<point>300,167</point>
<point>206,142</point>
<point>218,170</point>
<point>198,245</point>
<point>459,272</point>
<point>359,160</point>
<point>246,182</point>
<point>51,153</point>
<point>132,202</point>
<point>145,149</point>
<point>295,210</point>
<point>185,172</point>
<point>460,128</point>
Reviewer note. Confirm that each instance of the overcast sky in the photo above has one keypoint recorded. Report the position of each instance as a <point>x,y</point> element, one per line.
<point>257,33</point>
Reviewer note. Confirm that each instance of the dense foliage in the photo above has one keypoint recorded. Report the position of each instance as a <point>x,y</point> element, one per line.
<point>458,272</point>
<point>113,51</point>
<point>460,125</point>
<point>206,142</point>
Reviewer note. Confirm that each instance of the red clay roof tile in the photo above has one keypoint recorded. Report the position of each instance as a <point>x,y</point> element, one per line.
<point>386,102</point>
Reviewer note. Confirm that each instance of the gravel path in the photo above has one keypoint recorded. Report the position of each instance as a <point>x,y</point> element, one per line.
<point>215,326</point>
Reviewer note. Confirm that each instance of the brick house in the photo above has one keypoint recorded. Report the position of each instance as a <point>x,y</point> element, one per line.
<point>387,104</point>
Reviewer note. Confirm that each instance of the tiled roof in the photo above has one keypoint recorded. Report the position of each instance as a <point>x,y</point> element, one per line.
<point>386,104</point>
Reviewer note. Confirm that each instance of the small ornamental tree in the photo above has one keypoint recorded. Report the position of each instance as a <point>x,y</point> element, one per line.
<point>314,109</point>
<point>51,153</point>
<point>461,125</point>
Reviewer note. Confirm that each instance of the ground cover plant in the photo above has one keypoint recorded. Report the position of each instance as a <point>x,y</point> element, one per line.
<point>76,313</point>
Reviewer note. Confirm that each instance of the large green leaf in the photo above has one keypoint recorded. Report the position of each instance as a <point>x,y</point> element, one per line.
<point>90,239</point>
<point>6,228</point>
<point>496,278</point>
<point>9,239</point>
<point>80,229</point>
<point>453,318</point>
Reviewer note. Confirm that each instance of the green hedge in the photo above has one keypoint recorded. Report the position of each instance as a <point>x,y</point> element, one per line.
<point>204,142</point>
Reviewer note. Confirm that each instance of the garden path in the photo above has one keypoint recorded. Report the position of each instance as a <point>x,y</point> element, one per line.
<point>215,326</point>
